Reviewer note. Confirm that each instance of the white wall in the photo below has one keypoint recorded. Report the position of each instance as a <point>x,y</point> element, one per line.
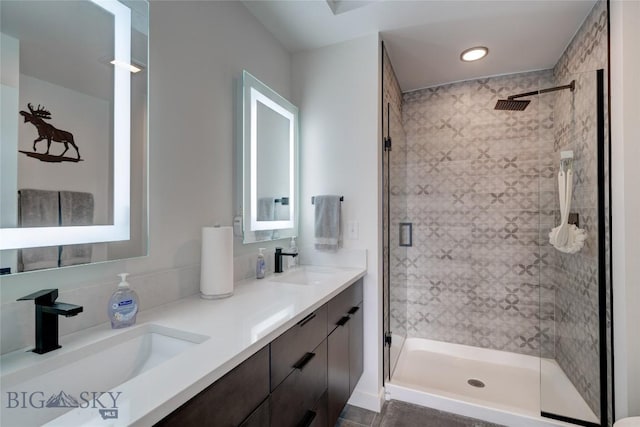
<point>87,118</point>
<point>197,50</point>
<point>625,177</point>
<point>336,89</point>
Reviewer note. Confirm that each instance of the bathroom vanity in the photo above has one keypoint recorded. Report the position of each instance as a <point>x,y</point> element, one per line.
<point>303,377</point>
<point>285,350</point>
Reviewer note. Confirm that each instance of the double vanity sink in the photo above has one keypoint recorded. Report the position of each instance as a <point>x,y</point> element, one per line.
<point>141,374</point>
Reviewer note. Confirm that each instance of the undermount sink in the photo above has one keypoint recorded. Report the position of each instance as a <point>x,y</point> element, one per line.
<point>58,382</point>
<point>305,275</point>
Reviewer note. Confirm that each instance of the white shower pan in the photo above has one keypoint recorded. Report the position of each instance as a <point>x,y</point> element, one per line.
<point>507,385</point>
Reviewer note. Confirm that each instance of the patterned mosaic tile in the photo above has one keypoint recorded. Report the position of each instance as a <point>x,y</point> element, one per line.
<point>473,195</point>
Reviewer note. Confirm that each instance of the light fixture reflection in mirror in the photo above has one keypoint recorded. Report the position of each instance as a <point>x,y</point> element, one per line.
<point>30,237</point>
<point>256,225</point>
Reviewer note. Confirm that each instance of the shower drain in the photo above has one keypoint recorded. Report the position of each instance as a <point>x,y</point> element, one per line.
<point>475,383</point>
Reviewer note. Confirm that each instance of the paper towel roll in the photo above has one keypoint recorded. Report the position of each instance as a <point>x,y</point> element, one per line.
<point>216,266</point>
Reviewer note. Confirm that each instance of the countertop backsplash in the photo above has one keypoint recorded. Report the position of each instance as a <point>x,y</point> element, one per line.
<point>17,320</point>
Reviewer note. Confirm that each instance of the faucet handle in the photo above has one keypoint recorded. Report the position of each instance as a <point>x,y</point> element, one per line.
<point>42,297</point>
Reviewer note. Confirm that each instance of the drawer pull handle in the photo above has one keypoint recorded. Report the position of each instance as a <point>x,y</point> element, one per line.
<point>354,310</point>
<point>307,319</point>
<point>343,321</point>
<point>308,418</point>
<point>300,364</point>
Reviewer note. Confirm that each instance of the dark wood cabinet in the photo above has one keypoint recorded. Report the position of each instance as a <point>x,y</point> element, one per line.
<point>299,393</point>
<point>356,346</point>
<point>261,417</point>
<point>302,378</point>
<point>290,348</point>
<point>345,348</point>
<point>228,401</point>
<point>319,413</point>
<point>338,371</point>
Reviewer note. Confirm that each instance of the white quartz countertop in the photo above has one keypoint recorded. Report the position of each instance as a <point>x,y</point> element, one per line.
<point>237,327</point>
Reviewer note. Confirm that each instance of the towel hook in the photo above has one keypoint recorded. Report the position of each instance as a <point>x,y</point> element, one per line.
<point>566,160</point>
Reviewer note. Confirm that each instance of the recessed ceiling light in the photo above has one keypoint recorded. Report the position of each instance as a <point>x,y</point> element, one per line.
<point>474,53</point>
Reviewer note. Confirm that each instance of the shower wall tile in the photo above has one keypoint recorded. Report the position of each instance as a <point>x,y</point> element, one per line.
<point>473,192</point>
<point>588,50</point>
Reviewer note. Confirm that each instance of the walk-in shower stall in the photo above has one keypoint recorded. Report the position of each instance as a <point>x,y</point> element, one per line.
<point>485,313</point>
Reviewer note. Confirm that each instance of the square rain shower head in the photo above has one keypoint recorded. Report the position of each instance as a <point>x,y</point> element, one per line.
<point>512,104</point>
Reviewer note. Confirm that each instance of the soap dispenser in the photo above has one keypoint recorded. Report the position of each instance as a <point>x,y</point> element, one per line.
<point>123,305</point>
<point>292,261</point>
<point>261,265</point>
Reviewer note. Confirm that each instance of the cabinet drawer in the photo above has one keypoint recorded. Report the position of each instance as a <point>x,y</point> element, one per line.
<point>300,391</point>
<point>290,347</point>
<point>228,401</point>
<point>339,306</point>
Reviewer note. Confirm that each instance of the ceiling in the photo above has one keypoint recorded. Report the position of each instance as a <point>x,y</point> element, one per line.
<point>70,43</point>
<point>424,39</point>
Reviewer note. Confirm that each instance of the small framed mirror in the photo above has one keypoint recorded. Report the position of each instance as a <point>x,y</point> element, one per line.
<point>269,163</point>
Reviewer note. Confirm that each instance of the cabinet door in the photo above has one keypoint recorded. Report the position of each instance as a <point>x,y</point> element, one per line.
<point>356,346</point>
<point>228,401</point>
<point>338,370</point>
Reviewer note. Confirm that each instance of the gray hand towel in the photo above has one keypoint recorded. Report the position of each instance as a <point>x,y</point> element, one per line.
<point>327,222</point>
<point>266,212</point>
<point>76,208</point>
<point>38,208</point>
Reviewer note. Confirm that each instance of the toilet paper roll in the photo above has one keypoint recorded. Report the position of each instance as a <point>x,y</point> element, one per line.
<point>216,266</point>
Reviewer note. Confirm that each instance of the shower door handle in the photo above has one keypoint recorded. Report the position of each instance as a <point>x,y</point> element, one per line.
<point>406,234</point>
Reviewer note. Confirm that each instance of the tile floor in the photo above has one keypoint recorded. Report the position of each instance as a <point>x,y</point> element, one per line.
<point>400,414</point>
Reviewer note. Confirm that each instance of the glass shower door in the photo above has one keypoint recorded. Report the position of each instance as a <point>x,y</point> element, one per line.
<point>573,363</point>
<point>394,158</point>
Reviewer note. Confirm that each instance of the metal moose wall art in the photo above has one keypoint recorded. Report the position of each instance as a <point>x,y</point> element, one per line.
<point>50,133</point>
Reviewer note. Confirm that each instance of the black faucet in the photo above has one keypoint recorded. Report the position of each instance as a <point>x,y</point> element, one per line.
<point>47,312</point>
<point>279,255</point>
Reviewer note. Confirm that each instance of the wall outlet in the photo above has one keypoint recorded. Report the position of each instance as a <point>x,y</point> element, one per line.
<point>352,230</point>
<point>237,226</point>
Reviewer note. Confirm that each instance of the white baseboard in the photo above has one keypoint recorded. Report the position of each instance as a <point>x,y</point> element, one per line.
<point>369,401</point>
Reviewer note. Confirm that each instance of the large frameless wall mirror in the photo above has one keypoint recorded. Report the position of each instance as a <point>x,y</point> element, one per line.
<point>73,159</point>
<point>269,163</point>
